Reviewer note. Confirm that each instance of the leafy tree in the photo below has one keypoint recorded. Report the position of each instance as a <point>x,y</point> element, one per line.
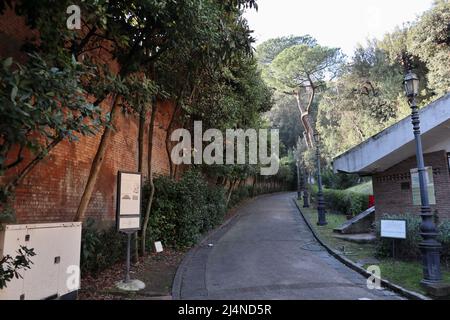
<point>270,49</point>
<point>430,41</point>
<point>136,36</point>
<point>367,97</point>
<point>41,104</point>
<point>396,47</point>
<point>284,116</point>
<point>304,68</point>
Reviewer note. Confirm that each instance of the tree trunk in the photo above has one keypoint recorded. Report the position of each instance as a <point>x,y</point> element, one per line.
<point>175,171</point>
<point>304,117</point>
<point>141,134</point>
<point>12,184</point>
<point>230,190</point>
<point>168,142</point>
<point>150,177</point>
<point>97,163</point>
<point>142,115</point>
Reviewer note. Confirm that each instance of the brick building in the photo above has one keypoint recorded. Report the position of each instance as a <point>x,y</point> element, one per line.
<point>389,157</point>
<point>52,191</point>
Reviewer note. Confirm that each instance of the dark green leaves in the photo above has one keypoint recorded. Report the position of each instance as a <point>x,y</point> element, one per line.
<point>40,103</point>
<point>10,267</point>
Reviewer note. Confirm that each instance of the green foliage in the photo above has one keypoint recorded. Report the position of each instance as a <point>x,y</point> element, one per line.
<point>368,96</point>
<point>241,193</point>
<point>231,96</point>
<point>444,238</point>
<point>100,249</point>
<point>184,210</point>
<point>365,187</point>
<point>303,64</point>
<point>344,202</point>
<point>405,249</point>
<point>364,100</point>
<point>340,181</point>
<point>40,103</point>
<point>10,267</point>
<point>284,116</point>
<point>430,41</point>
<point>270,49</point>
<point>298,67</point>
<point>409,248</point>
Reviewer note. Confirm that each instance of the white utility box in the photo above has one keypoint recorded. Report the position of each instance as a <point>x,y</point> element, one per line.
<point>56,263</point>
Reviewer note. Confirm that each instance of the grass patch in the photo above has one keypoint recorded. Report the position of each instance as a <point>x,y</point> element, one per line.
<point>353,251</point>
<point>406,274</point>
<point>364,188</point>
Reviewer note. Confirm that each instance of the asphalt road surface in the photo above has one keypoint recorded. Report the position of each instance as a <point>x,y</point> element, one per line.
<point>267,252</point>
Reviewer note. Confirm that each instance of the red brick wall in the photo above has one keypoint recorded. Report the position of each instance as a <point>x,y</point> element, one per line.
<point>390,198</point>
<point>13,33</point>
<point>52,191</point>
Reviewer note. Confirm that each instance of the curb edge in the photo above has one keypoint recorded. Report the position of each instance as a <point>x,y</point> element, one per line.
<point>397,289</point>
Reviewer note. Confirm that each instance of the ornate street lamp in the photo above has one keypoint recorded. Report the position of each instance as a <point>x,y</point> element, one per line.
<point>305,183</point>
<point>320,200</point>
<point>429,246</point>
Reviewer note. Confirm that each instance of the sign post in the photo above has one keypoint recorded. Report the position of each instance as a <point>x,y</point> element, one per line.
<point>128,219</point>
<point>393,229</point>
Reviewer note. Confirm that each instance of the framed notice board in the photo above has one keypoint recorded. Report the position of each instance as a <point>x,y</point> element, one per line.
<point>129,193</point>
<point>393,229</point>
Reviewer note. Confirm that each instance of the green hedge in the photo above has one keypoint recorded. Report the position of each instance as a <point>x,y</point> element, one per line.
<point>343,202</point>
<point>100,248</point>
<point>409,248</point>
<point>183,210</point>
<point>245,192</point>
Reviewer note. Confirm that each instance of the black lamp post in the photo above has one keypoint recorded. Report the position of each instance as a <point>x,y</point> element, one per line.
<point>429,246</point>
<point>320,200</point>
<point>299,182</point>
<point>305,189</point>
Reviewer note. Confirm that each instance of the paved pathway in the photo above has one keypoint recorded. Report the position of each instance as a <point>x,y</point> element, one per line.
<point>268,252</point>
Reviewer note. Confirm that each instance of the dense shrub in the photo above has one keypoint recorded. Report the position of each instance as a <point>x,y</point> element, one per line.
<point>183,210</point>
<point>444,238</point>
<point>241,193</point>
<point>100,248</point>
<point>340,181</point>
<point>343,202</point>
<point>409,248</point>
<point>162,222</point>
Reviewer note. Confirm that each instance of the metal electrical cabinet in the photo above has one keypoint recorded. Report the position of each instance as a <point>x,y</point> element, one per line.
<point>57,247</point>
